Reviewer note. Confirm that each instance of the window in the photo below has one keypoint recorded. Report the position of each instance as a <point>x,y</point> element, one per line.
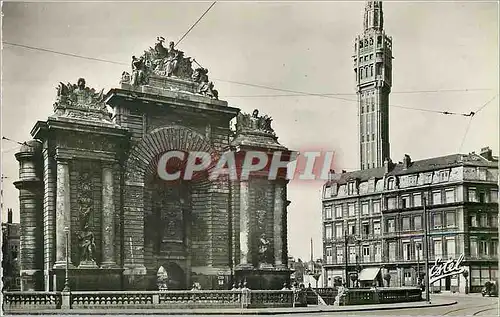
<point>351,210</point>
<point>351,186</point>
<point>366,254</point>
<point>390,225</point>
<point>438,248</point>
<point>366,229</point>
<point>473,220</point>
<point>340,255</point>
<point>482,197</point>
<point>483,247</point>
<point>338,231</point>
<point>328,192</point>
<point>472,195</point>
<point>450,247</point>
<point>449,196</point>
<point>364,209</point>
<point>338,211</point>
<point>494,196</point>
<point>437,221</point>
<point>494,221</point>
<point>418,222</point>
<point>417,200</point>
<point>443,176</point>
<point>391,203</point>
<point>494,246</point>
<point>406,223</point>
<point>376,228</point>
<point>329,255</point>
<point>436,198</point>
<point>392,251</point>
<point>352,254</point>
<point>473,248</point>
<point>450,219</point>
<point>406,251</point>
<point>376,207</point>
<point>419,250</point>
<point>390,183</point>
<point>378,253</point>
<point>405,202</point>
<point>352,228</point>
<point>483,220</point>
<point>328,212</point>
<point>328,232</point>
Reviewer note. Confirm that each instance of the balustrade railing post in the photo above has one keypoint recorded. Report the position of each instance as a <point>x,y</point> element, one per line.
<point>156,299</point>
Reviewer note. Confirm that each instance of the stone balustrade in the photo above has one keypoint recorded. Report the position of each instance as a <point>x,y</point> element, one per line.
<point>26,301</point>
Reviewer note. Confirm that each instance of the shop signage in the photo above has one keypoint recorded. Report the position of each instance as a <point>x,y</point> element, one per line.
<point>444,269</point>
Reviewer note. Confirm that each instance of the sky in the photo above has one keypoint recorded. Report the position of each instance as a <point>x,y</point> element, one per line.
<point>445,59</point>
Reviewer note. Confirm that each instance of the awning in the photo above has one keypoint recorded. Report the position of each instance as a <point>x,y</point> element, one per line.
<point>368,274</point>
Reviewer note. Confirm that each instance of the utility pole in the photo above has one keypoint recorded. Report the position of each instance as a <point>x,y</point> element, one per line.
<point>426,250</point>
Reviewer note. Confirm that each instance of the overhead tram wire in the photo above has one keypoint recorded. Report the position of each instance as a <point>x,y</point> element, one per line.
<point>195,23</point>
<point>470,121</point>
<point>296,93</point>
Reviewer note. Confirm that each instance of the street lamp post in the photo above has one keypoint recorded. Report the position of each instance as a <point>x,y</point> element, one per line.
<point>345,260</point>
<point>418,264</point>
<point>426,250</point>
<point>66,278</point>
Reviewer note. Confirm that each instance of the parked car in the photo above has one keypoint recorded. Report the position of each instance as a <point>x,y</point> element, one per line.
<point>490,288</point>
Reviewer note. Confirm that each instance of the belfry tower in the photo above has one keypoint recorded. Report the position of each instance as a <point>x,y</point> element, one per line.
<point>373,69</point>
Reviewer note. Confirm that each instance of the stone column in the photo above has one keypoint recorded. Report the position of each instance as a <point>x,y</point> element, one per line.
<point>108,217</point>
<point>244,225</point>
<point>279,197</point>
<point>63,212</point>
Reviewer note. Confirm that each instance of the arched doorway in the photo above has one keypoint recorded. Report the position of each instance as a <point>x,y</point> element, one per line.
<point>169,210</point>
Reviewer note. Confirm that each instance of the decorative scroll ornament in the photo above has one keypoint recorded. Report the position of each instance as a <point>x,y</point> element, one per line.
<point>79,101</point>
<point>168,62</point>
<point>254,122</point>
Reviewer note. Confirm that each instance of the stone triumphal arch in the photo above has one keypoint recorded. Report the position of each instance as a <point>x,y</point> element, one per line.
<point>90,190</point>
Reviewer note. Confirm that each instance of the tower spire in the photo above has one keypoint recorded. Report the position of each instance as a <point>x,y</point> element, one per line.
<point>374,16</point>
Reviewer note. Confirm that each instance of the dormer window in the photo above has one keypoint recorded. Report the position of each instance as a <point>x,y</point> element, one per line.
<point>390,183</point>
<point>328,192</point>
<point>351,188</point>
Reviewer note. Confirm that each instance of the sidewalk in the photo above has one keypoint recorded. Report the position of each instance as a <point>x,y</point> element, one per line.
<point>249,311</point>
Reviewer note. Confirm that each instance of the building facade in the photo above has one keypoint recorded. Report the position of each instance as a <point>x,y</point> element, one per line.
<point>377,216</point>
<point>10,254</point>
<point>373,71</point>
<point>91,189</point>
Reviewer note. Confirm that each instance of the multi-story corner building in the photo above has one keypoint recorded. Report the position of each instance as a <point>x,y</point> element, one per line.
<point>10,253</point>
<point>381,211</point>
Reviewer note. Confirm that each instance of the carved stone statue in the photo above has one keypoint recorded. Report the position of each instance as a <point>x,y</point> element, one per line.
<point>138,75</point>
<point>205,87</point>
<point>80,101</point>
<point>255,122</point>
<point>162,279</point>
<point>168,62</point>
<point>263,248</point>
<point>87,245</point>
<point>172,60</point>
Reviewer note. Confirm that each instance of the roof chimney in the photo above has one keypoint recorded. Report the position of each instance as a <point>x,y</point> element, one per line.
<point>388,165</point>
<point>9,215</point>
<point>406,161</point>
<point>487,153</point>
